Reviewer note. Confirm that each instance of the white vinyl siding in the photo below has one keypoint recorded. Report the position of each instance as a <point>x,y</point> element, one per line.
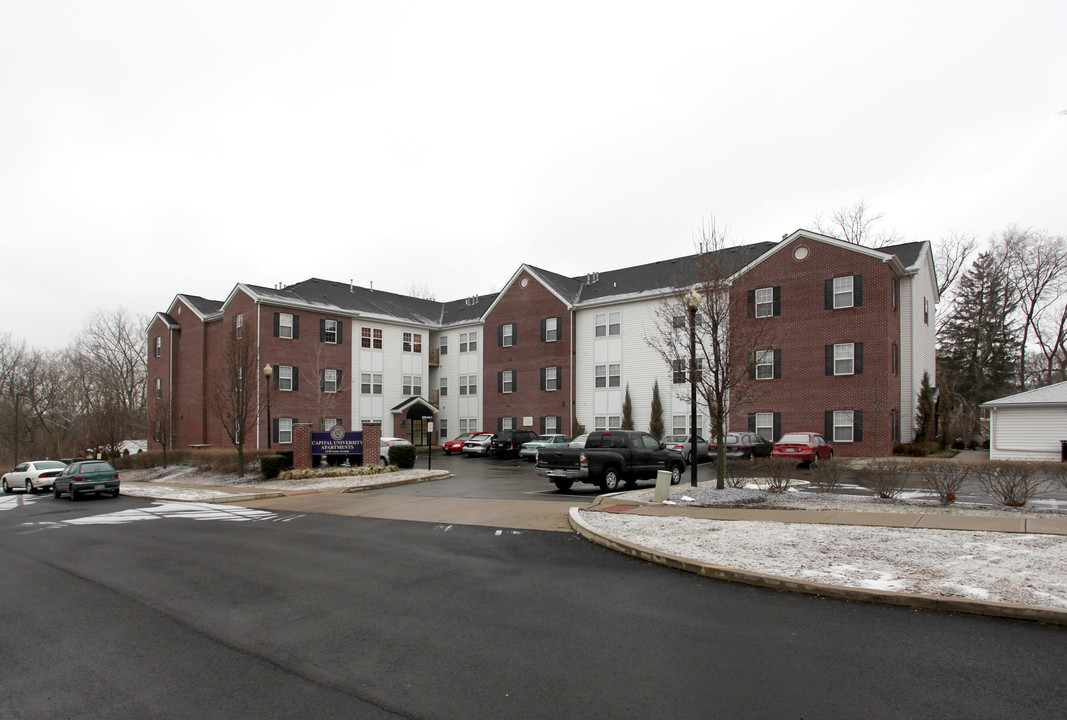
<point>1027,433</point>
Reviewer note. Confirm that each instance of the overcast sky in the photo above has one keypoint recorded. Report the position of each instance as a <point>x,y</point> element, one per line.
<point>149,149</point>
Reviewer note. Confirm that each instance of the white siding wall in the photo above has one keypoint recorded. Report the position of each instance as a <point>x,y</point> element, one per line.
<point>918,338</point>
<point>455,406</point>
<point>641,366</point>
<point>1027,433</point>
<point>392,363</point>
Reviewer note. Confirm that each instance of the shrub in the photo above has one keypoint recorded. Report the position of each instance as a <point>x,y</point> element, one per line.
<point>778,473</point>
<point>1012,484</point>
<point>738,473</point>
<point>828,474</point>
<point>271,466</point>
<point>403,456</point>
<point>944,477</point>
<point>887,478</point>
<point>286,455</point>
<point>915,449</point>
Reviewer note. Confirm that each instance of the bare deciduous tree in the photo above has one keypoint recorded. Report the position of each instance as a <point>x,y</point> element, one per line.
<point>232,397</point>
<point>856,224</point>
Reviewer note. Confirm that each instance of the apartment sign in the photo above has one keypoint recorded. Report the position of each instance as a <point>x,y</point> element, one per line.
<point>337,441</point>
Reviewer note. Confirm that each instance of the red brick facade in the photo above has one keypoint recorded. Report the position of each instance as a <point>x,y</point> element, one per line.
<point>802,391</point>
<point>525,305</point>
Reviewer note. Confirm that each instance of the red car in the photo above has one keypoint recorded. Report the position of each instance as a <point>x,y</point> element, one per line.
<point>455,445</point>
<point>803,447</point>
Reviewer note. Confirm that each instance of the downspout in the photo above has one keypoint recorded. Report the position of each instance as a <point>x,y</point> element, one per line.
<point>571,384</point>
<point>259,368</point>
<point>170,392</point>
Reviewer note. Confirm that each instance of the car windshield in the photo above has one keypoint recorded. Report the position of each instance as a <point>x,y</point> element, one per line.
<point>546,438</point>
<point>49,465</point>
<point>795,438</point>
<point>465,436</point>
<point>733,439</point>
<point>486,436</point>
<point>96,467</point>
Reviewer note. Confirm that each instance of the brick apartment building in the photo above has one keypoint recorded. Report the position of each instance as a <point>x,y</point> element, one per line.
<point>848,333</point>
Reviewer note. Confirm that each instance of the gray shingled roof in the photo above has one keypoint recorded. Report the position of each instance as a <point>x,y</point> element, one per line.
<point>607,285</point>
<point>1048,395</point>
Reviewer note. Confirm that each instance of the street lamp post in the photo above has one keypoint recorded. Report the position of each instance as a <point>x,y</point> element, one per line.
<point>267,372</point>
<point>427,421</point>
<point>692,301</point>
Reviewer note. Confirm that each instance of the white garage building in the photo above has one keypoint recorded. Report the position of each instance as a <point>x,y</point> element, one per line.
<point>1030,425</point>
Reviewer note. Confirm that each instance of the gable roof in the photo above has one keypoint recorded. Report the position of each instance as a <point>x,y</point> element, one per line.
<point>1048,395</point>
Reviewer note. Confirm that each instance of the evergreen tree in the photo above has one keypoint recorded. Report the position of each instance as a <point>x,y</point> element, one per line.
<point>655,424</point>
<point>924,416</point>
<point>979,343</point>
<point>627,411</point>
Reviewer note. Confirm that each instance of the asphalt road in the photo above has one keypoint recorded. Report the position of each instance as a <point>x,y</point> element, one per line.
<point>131,609</point>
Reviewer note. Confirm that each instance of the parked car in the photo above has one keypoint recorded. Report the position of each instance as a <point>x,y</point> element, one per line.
<point>804,447</point>
<point>609,459</point>
<point>388,442</point>
<point>33,476</point>
<point>682,445</point>
<point>455,445</point>
<point>578,441</point>
<point>86,477</point>
<point>478,445</point>
<point>744,446</point>
<point>529,449</point>
<point>507,443</point>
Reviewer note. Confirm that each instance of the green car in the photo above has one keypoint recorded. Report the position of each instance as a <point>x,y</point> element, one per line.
<point>529,449</point>
<point>87,477</point>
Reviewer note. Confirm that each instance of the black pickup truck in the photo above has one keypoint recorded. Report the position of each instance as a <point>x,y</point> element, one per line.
<point>609,459</point>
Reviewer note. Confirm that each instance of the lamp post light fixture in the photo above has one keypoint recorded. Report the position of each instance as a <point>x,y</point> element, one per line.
<point>268,371</point>
<point>692,301</point>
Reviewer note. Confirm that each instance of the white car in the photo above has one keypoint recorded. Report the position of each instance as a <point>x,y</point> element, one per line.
<point>478,445</point>
<point>578,442</point>
<point>388,442</point>
<point>33,476</point>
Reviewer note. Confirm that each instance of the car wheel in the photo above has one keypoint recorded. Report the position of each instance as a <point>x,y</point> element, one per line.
<point>55,491</point>
<point>563,485</point>
<point>7,488</point>
<point>676,474</point>
<point>830,456</point>
<point>610,481</point>
<point>688,458</point>
<point>30,489</point>
<point>814,462</point>
<point>73,495</point>
<point>385,461</point>
<point>115,493</point>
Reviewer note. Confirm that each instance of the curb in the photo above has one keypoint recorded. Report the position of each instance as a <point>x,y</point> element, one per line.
<point>783,584</point>
<point>441,475</point>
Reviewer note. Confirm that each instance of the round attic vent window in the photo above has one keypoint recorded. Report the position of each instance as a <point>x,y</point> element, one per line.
<point>800,253</point>
<point>524,282</point>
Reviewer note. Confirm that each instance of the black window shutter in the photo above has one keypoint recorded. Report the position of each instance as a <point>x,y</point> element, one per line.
<point>777,426</point>
<point>559,328</point>
<point>828,293</point>
<point>296,379</point>
<point>274,374</point>
<point>340,324</point>
<point>544,333</point>
<point>752,422</point>
<point>857,425</point>
<point>274,430</point>
<point>500,336</point>
<point>777,299</point>
<point>322,380</point>
<point>277,324</point>
<point>857,290</point>
<point>499,424</point>
<point>829,359</point>
<point>500,381</point>
<point>559,378</point>
<point>559,424</point>
<point>514,381</point>
<point>828,429</point>
<point>296,327</point>
<point>514,333</point>
<point>752,365</point>
<point>338,381</point>
<point>858,357</point>
<point>322,329</point>
<point>544,385</point>
<point>777,363</point>
<point>752,303</point>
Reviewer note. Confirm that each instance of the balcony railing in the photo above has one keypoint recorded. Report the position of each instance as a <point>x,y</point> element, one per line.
<point>435,357</point>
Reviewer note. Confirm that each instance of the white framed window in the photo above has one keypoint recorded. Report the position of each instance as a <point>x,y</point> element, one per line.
<point>413,384</point>
<point>551,329</point>
<point>328,423</point>
<point>844,358</point>
<point>552,378</point>
<point>552,424</point>
<point>285,377</point>
<point>843,295</point>
<point>843,425</point>
<point>507,381</point>
<point>607,422</point>
<point>608,324</point>
<point>463,426</point>
<point>765,364</point>
<point>765,425</point>
<point>444,387</point>
<point>159,387</point>
<point>329,381</point>
<point>239,326</point>
<point>764,302</point>
<point>442,428</point>
<point>159,345</point>
<point>468,342</point>
<point>679,425</point>
<point>443,344</point>
<point>506,423</point>
<point>371,338</point>
<point>926,310</point>
<point>608,375</point>
<point>507,335</point>
<point>468,384</point>
<point>413,342</point>
<point>285,325</point>
<point>329,332</point>
<point>370,383</point>
<point>678,318</point>
<point>285,430</point>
